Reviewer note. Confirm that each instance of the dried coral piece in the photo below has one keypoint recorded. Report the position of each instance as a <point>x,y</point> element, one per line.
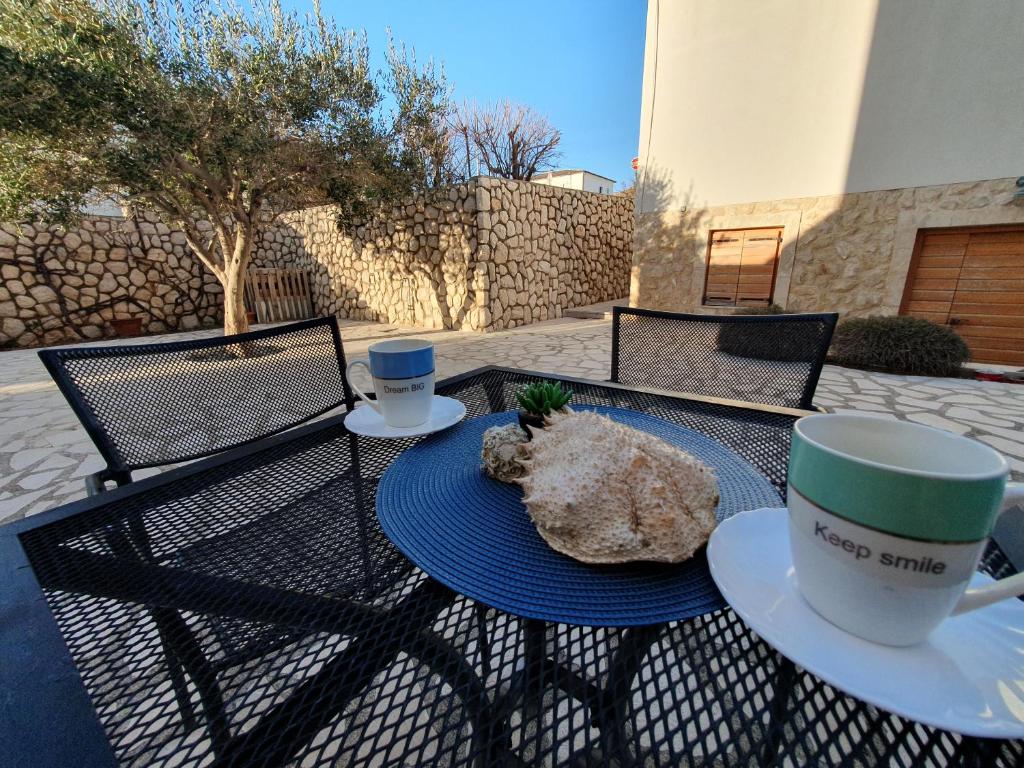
<point>602,492</point>
<point>502,450</point>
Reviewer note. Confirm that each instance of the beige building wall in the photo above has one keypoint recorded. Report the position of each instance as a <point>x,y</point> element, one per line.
<point>849,124</point>
<point>848,253</point>
<point>798,98</point>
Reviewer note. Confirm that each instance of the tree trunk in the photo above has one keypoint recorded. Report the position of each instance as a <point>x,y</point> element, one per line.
<point>235,320</point>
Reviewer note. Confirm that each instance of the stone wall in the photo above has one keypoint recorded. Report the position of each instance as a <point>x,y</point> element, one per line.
<point>551,249</point>
<point>413,265</point>
<point>485,255</point>
<point>846,253</point>
<point>63,286</point>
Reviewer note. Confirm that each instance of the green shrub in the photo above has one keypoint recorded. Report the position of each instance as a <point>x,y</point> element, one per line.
<point>771,309</point>
<point>905,345</point>
<point>769,341</point>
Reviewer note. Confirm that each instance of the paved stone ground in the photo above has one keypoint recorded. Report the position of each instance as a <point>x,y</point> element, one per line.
<point>45,454</point>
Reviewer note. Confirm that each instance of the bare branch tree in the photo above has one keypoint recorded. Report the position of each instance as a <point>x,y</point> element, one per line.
<point>509,140</point>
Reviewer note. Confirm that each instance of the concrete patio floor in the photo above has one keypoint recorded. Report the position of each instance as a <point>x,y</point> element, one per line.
<point>45,454</point>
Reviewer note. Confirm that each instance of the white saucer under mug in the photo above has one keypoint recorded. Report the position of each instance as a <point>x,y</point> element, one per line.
<point>444,412</point>
<point>967,677</point>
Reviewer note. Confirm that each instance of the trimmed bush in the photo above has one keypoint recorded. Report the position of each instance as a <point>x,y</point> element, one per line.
<point>771,309</point>
<point>905,345</point>
<point>769,341</point>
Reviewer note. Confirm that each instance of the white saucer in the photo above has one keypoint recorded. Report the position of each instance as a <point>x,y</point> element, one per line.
<point>967,677</point>
<point>444,412</point>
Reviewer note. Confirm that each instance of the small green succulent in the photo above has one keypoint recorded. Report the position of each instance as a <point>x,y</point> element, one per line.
<point>543,397</point>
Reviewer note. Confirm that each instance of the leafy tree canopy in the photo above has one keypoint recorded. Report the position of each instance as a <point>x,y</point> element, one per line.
<point>205,111</point>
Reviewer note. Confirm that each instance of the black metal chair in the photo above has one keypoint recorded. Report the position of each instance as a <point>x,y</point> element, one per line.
<point>151,405</point>
<point>285,513</point>
<point>769,359</point>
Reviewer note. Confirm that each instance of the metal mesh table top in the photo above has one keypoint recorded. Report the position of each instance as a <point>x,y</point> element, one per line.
<point>248,610</point>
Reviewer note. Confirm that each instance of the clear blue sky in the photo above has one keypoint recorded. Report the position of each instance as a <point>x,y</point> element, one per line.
<point>580,62</point>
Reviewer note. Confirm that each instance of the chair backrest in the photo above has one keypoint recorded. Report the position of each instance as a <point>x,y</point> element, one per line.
<point>770,359</point>
<point>145,405</point>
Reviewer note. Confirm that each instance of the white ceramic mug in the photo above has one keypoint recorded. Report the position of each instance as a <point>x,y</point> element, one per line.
<point>403,380</point>
<point>888,521</point>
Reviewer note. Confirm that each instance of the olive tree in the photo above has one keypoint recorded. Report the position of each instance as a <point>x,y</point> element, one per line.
<point>428,119</point>
<point>215,117</point>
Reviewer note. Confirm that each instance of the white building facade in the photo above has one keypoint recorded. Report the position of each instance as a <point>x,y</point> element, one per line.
<point>576,179</point>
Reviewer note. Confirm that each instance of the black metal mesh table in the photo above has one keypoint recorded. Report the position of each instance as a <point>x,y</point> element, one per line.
<point>346,655</point>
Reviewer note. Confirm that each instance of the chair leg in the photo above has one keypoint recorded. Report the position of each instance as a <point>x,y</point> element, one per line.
<point>318,700</point>
<point>785,679</point>
<point>94,484</point>
<point>187,651</point>
<point>181,649</point>
<point>179,684</point>
<point>361,514</point>
<point>483,638</point>
<point>624,666</point>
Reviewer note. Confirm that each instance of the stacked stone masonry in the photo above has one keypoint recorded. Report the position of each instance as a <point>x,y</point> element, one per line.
<point>485,255</point>
<point>847,253</point>
<point>63,286</point>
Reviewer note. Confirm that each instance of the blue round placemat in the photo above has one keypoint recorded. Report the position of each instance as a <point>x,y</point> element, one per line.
<point>474,534</point>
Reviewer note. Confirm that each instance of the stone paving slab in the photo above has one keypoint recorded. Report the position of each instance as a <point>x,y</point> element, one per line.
<point>600,311</point>
<point>45,454</point>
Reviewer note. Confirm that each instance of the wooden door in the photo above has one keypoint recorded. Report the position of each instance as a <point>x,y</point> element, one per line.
<point>741,266</point>
<point>972,280</point>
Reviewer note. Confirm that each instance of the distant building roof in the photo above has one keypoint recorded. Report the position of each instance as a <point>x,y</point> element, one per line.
<point>567,171</point>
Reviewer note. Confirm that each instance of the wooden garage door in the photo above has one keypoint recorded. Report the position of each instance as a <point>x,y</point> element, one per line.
<point>973,280</point>
<point>741,266</point>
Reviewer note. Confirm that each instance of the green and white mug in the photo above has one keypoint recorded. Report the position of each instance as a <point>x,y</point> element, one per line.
<point>888,521</point>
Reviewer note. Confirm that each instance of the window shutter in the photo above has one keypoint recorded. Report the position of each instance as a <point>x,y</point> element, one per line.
<point>757,269</point>
<point>724,260</point>
<point>741,266</point>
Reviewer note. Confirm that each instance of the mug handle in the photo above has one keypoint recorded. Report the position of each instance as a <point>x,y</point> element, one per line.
<point>362,395</point>
<point>1011,586</point>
